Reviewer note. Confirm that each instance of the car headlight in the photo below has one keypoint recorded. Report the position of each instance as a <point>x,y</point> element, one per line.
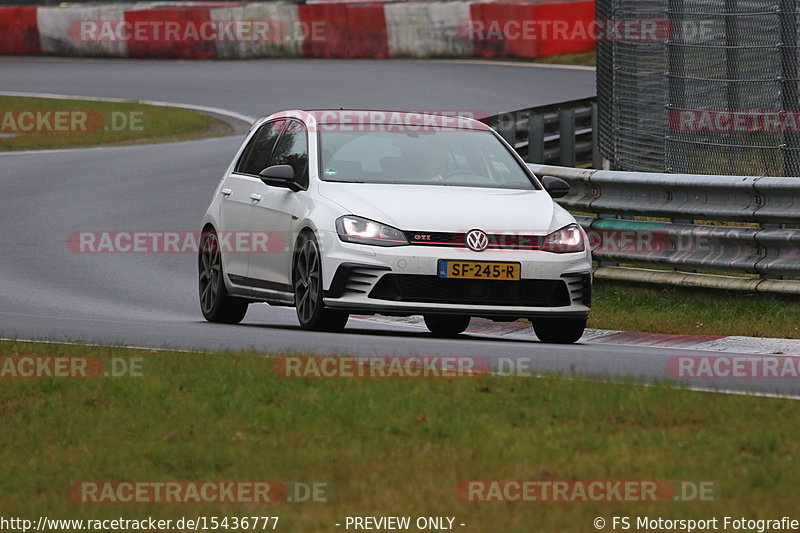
<point>568,239</point>
<point>364,231</point>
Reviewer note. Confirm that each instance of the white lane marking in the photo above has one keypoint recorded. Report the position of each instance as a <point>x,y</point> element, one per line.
<point>112,147</point>
<point>81,319</point>
<point>501,63</point>
<point>91,345</point>
<point>207,109</point>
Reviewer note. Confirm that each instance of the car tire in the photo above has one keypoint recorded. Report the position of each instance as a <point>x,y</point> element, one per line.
<point>559,330</point>
<point>307,282</point>
<point>215,302</point>
<point>446,325</point>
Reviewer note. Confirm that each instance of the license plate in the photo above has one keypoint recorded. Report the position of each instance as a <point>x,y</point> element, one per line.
<point>479,270</point>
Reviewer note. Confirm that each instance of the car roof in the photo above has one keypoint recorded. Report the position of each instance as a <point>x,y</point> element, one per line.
<point>379,116</point>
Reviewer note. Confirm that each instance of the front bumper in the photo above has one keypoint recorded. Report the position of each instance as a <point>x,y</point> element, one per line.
<point>402,281</point>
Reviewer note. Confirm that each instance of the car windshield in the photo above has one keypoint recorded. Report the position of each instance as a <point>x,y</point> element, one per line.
<point>430,156</point>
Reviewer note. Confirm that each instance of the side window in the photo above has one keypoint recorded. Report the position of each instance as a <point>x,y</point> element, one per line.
<point>255,157</point>
<point>292,149</point>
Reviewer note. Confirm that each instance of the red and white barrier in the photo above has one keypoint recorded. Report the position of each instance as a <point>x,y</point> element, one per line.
<point>427,29</point>
<point>19,33</point>
<point>278,31</point>
<point>81,30</point>
<point>352,30</point>
<point>212,30</point>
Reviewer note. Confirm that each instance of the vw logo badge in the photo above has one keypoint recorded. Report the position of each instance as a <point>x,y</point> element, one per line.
<point>477,240</point>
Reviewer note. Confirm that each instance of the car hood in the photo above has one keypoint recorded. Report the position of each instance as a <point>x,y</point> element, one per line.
<point>447,209</point>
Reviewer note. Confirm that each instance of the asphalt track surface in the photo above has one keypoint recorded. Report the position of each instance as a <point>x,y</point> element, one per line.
<point>49,293</point>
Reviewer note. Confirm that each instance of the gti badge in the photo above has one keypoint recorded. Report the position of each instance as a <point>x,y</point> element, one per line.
<point>477,240</point>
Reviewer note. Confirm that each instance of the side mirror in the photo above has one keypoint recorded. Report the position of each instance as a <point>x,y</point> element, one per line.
<point>280,176</point>
<point>555,187</point>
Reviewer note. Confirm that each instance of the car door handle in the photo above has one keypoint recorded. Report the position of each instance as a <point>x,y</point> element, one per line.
<point>226,192</point>
<point>255,196</point>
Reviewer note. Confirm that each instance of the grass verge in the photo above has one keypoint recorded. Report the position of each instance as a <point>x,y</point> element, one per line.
<point>588,59</point>
<point>28,123</point>
<point>693,311</point>
<point>385,447</point>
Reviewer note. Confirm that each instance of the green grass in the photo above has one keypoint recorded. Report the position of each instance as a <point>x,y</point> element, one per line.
<point>385,447</point>
<point>635,307</point>
<point>92,123</point>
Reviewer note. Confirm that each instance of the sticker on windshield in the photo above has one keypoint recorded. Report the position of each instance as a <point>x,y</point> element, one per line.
<point>330,171</point>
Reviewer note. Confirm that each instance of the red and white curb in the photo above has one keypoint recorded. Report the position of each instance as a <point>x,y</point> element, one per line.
<point>710,343</point>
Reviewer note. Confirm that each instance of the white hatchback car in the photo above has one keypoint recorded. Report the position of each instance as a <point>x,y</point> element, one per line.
<point>393,213</point>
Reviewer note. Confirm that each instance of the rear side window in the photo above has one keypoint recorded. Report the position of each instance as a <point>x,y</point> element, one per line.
<point>255,157</point>
<point>292,149</point>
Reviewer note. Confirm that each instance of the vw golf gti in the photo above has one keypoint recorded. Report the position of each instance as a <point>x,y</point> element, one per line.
<point>393,213</point>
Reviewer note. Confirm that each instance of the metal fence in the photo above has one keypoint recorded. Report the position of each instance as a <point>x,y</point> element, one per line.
<point>715,90</point>
<point>561,134</point>
<point>683,214</point>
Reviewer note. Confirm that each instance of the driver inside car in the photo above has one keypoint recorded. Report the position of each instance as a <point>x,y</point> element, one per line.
<point>435,164</point>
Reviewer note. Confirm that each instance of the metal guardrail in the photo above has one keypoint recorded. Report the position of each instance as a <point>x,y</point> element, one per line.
<point>763,237</point>
<point>560,134</point>
<point>718,224</point>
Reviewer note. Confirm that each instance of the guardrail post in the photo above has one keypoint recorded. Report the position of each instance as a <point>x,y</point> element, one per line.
<point>507,128</point>
<point>535,139</point>
<point>566,141</point>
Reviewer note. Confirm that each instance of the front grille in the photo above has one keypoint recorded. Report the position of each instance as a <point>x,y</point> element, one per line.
<point>435,238</point>
<point>497,241</point>
<point>431,289</point>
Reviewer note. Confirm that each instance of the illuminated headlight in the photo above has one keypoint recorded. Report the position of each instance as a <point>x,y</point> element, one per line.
<point>364,231</point>
<point>568,239</point>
